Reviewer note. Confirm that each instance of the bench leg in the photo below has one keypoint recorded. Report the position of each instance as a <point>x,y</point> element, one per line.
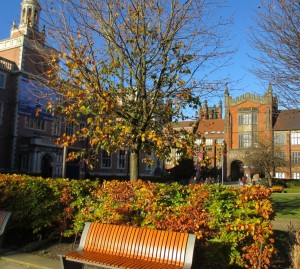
<point>69,264</point>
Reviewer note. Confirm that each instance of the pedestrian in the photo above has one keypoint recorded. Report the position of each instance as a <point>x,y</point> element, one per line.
<point>244,180</point>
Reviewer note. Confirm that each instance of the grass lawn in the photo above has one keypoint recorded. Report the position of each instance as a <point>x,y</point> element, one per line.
<point>292,190</point>
<point>287,205</point>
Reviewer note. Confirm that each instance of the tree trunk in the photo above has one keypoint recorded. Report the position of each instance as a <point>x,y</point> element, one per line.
<point>134,166</point>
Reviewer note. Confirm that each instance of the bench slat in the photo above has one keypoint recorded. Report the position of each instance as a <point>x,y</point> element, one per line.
<point>113,261</point>
<point>132,248</point>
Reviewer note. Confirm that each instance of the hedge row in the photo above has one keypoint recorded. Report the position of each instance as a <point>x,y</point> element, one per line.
<point>232,224</point>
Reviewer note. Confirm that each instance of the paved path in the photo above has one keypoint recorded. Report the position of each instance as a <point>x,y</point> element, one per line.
<point>286,225</point>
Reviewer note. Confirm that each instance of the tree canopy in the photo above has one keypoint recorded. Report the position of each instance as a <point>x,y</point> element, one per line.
<point>127,68</point>
<point>277,41</point>
<point>264,157</point>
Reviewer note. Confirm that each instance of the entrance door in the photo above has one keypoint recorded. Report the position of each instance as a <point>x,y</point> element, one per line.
<point>237,170</point>
<point>46,168</point>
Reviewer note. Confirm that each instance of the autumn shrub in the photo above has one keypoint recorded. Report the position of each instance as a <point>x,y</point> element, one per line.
<point>232,225</point>
<point>34,202</point>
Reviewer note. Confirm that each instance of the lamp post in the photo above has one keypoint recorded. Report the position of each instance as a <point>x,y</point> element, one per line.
<point>198,143</point>
<point>64,162</point>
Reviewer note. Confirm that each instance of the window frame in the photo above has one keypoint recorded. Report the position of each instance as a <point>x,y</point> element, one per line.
<point>280,175</point>
<point>106,160</point>
<point>70,128</point>
<point>296,175</point>
<point>279,139</point>
<point>56,125</point>
<point>295,138</point>
<point>35,123</point>
<point>121,159</point>
<point>295,158</point>
<point>2,86</point>
<point>245,140</point>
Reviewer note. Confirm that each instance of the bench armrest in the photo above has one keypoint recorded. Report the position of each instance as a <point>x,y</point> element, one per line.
<point>84,235</point>
<point>188,260</point>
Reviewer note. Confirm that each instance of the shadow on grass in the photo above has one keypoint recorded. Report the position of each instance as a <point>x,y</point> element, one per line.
<point>283,244</point>
<point>286,205</point>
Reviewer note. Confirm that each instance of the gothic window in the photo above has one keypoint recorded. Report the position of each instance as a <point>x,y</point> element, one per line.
<point>247,116</point>
<point>245,140</point>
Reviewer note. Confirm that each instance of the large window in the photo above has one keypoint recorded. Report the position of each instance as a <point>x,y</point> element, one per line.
<point>295,138</point>
<point>106,160</point>
<point>121,159</point>
<point>295,157</point>
<point>245,140</point>
<point>247,116</point>
<point>279,139</point>
<point>35,123</point>
<point>2,80</point>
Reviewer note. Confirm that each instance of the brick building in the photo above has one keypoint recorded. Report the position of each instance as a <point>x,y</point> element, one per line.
<point>249,118</point>
<point>27,140</point>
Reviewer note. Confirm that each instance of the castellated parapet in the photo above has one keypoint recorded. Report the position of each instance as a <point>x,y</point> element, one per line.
<point>265,99</point>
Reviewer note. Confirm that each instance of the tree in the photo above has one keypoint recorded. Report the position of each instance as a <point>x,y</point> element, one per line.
<point>277,41</point>
<point>264,157</point>
<point>129,67</point>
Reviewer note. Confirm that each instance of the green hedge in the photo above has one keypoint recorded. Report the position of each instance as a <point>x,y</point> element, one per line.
<point>232,224</point>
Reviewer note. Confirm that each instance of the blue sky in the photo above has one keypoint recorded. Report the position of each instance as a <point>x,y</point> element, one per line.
<point>243,13</point>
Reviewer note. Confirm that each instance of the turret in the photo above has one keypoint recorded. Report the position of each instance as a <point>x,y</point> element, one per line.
<point>30,14</point>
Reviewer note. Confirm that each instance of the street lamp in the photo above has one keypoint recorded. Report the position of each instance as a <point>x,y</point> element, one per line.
<point>64,162</point>
<point>198,156</point>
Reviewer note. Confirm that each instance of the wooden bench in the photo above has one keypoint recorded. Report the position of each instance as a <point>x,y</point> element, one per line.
<point>114,246</point>
<point>4,217</point>
<point>277,188</point>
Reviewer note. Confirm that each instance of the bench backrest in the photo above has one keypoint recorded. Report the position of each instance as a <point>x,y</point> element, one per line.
<point>154,245</point>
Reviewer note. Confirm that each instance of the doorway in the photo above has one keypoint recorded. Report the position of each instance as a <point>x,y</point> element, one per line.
<point>237,170</point>
<point>46,167</point>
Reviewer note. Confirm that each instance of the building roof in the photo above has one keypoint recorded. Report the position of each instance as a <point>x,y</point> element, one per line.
<point>211,126</point>
<point>184,124</point>
<point>287,120</point>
